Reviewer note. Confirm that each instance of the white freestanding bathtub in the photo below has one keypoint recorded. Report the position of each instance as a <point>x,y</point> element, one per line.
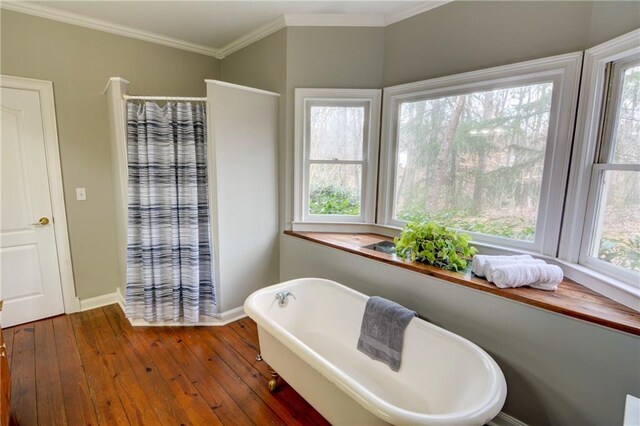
<point>444,379</point>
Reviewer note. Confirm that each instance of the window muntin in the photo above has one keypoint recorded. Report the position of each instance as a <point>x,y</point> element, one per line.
<point>474,161</point>
<point>611,241</point>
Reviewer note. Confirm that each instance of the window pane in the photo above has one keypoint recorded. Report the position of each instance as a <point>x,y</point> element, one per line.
<point>627,139</point>
<point>336,132</point>
<point>334,189</point>
<point>474,161</point>
<point>619,241</point>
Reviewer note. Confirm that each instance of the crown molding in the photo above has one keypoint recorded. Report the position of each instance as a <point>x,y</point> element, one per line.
<point>287,20</point>
<point>100,25</point>
<point>334,20</point>
<point>408,12</point>
<point>253,36</point>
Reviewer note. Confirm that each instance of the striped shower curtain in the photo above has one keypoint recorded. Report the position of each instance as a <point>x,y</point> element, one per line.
<point>169,254</point>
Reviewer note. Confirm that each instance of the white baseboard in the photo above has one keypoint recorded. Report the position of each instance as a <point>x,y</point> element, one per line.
<point>232,315</point>
<point>120,297</point>
<point>117,297</point>
<point>503,419</point>
<point>98,301</point>
<point>208,321</point>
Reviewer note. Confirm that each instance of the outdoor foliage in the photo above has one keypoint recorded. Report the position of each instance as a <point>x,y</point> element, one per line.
<point>333,200</point>
<point>475,161</point>
<point>509,227</point>
<point>621,252</point>
<point>430,243</point>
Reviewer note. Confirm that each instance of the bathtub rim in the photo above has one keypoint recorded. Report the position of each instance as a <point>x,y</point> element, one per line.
<point>480,412</point>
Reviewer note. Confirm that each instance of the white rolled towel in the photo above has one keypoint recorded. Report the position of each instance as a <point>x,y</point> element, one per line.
<point>479,261</point>
<point>491,264</point>
<point>544,277</point>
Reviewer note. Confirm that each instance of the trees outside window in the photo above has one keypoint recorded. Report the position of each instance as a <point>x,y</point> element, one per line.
<point>485,152</point>
<point>337,134</point>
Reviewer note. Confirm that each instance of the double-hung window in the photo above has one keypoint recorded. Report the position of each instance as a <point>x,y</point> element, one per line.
<point>337,135</point>
<point>485,152</point>
<point>613,229</point>
<point>611,233</point>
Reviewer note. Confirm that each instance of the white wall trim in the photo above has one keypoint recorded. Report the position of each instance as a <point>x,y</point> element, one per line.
<point>252,36</point>
<point>408,12</point>
<point>108,27</point>
<point>117,132</point>
<point>240,87</point>
<point>298,20</point>
<point>334,20</point>
<point>223,318</point>
<point>56,187</point>
<point>503,419</point>
<point>120,299</point>
<point>204,320</point>
<point>98,301</point>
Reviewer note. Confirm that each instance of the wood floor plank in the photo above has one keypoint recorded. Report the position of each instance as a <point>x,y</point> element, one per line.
<point>94,368</point>
<point>195,406</point>
<point>248,351</point>
<point>164,402</point>
<point>77,397</point>
<point>209,385</point>
<point>23,377</point>
<point>50,400</point>
<point>243,331</point>
<point>289,411</point>
<point>106,400</point>
<point>132,395</point>
<point>7,334</point>
<point>232,380</point>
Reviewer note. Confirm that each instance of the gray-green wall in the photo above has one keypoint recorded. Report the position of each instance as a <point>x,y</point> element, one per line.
<point>79,61</point>
<point>559,370</point>
<point>469,35</point>
<point>329,57</point>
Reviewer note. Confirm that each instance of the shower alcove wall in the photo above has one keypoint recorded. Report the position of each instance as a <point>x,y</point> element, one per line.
<point>242,146</point>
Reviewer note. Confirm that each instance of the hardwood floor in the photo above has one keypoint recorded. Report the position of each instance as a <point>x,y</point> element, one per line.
<point>95,368</point>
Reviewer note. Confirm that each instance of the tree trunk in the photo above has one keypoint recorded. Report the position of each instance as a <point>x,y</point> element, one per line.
<point>443,158</point>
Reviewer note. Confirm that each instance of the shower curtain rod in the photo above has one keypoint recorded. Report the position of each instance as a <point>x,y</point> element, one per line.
<point>162,98</point>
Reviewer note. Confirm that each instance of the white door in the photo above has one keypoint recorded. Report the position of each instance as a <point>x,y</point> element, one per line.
<point>30,283</point>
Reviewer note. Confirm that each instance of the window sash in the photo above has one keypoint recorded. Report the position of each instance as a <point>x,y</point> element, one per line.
<point>611,110</point>
<point>605,151</point>
<point>593,225</point>
<point>562,71</point>
<point>305,100</point>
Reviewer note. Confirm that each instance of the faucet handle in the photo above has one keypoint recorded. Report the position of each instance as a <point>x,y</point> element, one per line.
<point>283,298</point>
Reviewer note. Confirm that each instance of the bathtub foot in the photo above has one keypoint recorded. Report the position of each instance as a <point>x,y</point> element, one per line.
<point>258,357</point>
<point>274,383</point>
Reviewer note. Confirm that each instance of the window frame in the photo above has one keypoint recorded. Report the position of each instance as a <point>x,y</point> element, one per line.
<point>304,100</point>
<point>593,150</point>
<point>563,71</point>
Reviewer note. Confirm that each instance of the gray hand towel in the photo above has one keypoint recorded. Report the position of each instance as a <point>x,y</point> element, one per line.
<point>382,330</point>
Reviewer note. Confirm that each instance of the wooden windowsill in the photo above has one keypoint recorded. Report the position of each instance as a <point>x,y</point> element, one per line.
<point>570,299</point>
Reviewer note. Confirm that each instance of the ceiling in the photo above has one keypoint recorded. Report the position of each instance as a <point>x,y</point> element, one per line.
<point>217,28</point>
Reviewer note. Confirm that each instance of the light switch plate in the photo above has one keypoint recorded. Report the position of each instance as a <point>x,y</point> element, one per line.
<point>81,194</point>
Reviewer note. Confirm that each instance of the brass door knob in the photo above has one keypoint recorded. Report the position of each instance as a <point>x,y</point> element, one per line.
<point>42,221</point>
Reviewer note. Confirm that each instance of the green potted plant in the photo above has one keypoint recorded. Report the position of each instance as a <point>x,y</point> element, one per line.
<point>433,244</point>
